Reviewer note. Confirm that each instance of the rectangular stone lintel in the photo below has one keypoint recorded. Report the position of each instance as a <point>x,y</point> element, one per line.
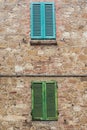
<point>43,42</point>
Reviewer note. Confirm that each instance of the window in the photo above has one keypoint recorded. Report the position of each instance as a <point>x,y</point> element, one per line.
<point>42,20</point>
<point>44,101</point>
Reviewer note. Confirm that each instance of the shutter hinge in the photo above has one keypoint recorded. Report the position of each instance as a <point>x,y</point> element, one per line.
<point>31,112</point>
<point>56,85</point>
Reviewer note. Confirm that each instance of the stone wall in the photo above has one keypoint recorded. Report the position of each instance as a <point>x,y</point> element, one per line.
<point>68,57</point>
<point>15,104</point>
<point>18,56</point>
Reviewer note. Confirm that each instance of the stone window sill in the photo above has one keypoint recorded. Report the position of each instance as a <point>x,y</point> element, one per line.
<point>43,42</point>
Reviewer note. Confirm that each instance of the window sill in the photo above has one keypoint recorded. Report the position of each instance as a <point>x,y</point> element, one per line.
<point>43,42</point>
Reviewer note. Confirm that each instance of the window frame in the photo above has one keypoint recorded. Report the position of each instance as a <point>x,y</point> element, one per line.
<point>42,9</point>
<point>45,117</point>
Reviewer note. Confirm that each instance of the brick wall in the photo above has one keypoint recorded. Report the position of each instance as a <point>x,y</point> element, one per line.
<point>15,104</point>
<point>68,57</point>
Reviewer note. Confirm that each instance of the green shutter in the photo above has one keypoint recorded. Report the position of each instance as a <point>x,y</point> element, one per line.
<point>49,21</point>
<point>36,21</point>
<point>37,101</point>
<point>44,101</point>
<point>51,101</point>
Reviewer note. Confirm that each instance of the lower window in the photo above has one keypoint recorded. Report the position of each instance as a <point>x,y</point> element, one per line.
<point>44,101</point>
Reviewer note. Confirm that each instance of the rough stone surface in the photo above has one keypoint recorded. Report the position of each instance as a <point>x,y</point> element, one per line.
<point>15,105</point>
<point>17,56</point>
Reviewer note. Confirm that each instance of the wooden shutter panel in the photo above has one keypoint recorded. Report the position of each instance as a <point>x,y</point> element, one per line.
<point>37,101</point>
<point>36,21</point>
<point>51,101</point>
<point>44,101</point>
<point>49,21</point>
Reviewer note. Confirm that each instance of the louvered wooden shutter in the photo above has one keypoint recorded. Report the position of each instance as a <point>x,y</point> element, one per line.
<point>44,101</point>
<point>36,21</point>
<point>43,20</point>
<point>37,101</point>
<point>49,21</point>
<point>51,101</point>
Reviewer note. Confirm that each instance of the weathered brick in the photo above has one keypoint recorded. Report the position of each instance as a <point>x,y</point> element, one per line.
<point>17,56</point>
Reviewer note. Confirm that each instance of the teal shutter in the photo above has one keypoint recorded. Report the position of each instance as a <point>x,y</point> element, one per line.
<point>36,21</point>
<point>43,20</point>
<point>37,101</point>
<point>51,101</point>
<point>44,101</point>
<point>49,29</point>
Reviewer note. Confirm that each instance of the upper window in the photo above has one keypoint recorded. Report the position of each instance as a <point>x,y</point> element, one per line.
<point>44,101</point>
<point>43,20</point>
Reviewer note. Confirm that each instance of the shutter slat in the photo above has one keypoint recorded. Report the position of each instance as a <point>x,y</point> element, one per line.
<point>49,21</point>
<point>36,20</point>
<point>51,101</point>
<point>36,29</point>
<point>37,101</point>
